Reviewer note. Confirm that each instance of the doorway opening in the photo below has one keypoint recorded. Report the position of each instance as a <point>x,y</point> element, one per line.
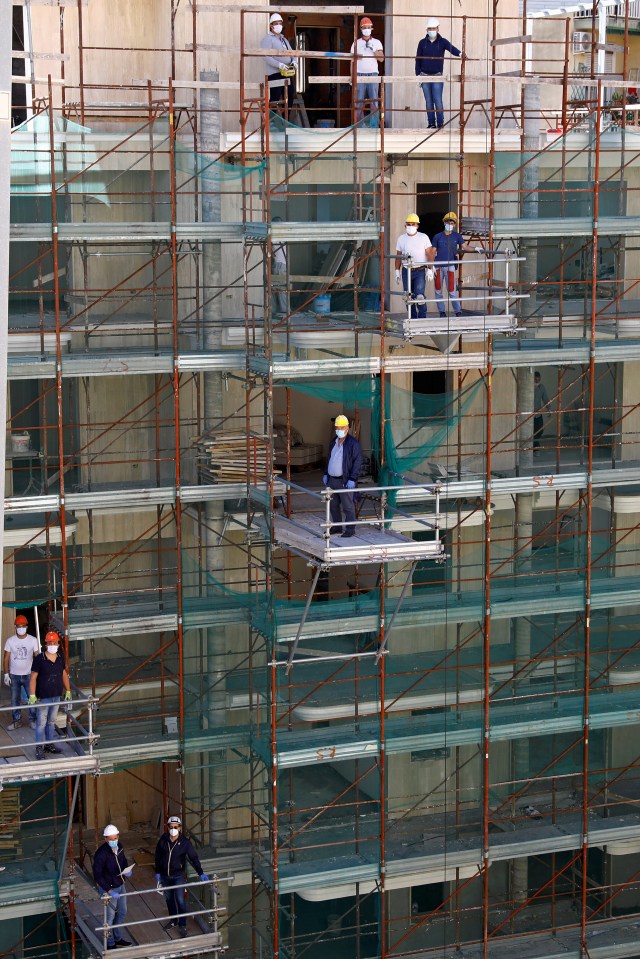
<point>433,200</point>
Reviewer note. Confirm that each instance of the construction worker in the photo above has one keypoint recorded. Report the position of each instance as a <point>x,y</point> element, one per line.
<point>369,53</point>
<point>19,651</point>
<point>448,244</point>
<point>430,64</point>
<point>342,472</point>
<point>415,248</point>
<point>279,294</point>
<point>110,869</point>
<point>49,683</point>
<point>172,851</point>
<point>281,70</point>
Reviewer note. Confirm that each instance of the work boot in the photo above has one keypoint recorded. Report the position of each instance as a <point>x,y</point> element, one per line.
<point>335,530</point>
<point>39,752</point>
<point>50,748</point>
<point>15,725</point>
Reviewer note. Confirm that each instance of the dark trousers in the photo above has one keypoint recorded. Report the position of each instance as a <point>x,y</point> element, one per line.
<point>538,430</point>
<point>174,897</point>
<point>342,504</point>
<point>277,94</point>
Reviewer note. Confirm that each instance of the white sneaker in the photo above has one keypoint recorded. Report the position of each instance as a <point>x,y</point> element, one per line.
<point>15,725</point>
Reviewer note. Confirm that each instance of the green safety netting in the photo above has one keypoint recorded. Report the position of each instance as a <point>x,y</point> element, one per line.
<point>279,124</point>
<point>203,167</point>
<point>415,425</point>
<point>76,166</point>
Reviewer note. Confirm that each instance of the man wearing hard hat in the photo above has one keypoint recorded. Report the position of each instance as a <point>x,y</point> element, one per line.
<point>280,63</point>
<point>448,245</point>
<point>414,248</point>
<point>342,472</point>
<point>110,869</point>
<point>430,65</point>
<point>369,53</point>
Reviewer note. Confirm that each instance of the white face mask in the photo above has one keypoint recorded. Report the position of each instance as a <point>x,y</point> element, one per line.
<point>276,27</point>
<point>174,833</point>
<point>411,230</point>
<point>448,227</point>
<point>432,34</point>
<point>367,32</point>
<point>341,433</point>
<point>21,630</point>
<point>52,650</point>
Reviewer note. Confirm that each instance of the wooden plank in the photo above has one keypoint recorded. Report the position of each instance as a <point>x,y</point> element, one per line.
<point>504,40</point>
<point>31,55</point>
<point>231,8</point>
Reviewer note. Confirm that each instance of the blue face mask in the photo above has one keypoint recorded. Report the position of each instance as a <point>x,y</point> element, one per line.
<point>113,843</point>
<point>448,227</point>
<point>341,433</point>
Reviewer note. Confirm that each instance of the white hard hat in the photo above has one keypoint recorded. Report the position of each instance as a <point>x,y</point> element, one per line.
<point>432,22</point>
<point>174,821</point>
<point>110,830</point>
<point>275,18</point>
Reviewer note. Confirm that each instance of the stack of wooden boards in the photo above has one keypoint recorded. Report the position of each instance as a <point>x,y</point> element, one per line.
<point>234,457</point>
<point>10,845</point>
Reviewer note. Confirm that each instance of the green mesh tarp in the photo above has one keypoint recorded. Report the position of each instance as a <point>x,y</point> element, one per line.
<point>206,168</point>
<point>416,425</point>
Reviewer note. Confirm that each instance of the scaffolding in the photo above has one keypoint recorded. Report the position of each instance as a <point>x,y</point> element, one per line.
<point>417,740</point>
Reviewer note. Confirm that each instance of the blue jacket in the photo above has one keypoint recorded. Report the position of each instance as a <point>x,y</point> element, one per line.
<point>351,458</point>
<point>108,865</point>
<point>171,856</point>
<point>430,55</point>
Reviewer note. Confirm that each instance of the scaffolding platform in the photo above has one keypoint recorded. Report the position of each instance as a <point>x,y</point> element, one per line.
<point>370,543</point>
<point>18,763</point>
<point>146,916</point>
<point>408,327</point>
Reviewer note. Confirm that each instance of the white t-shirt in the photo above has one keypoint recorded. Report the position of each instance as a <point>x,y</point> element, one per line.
<point>21,651</point>
<point>368,64</point>
<point>414,246</point>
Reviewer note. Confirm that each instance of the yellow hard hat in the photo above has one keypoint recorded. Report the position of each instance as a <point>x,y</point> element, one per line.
<point>412,218</point>
<point>450,216</point>
<point>341,421</point>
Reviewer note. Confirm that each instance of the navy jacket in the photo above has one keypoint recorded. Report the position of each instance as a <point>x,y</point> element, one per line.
<point>430,55</point>
<point>351,458</point>
<point>108,865</point>
<point>171,856</point>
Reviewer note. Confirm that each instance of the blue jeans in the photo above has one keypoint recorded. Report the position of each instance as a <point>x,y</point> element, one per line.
<point>433,99</point>
<point>18,683</point>
<point>116,912</point>
<point>175,899</point>
<point>445,276</point>
<point>46,718</point>
<point>369,90</point>
<point>418,279</point>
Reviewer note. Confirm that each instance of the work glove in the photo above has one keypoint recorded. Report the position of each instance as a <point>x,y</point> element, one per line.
<point>7,679</point>
<point>430,274</point>
<point>204,877</point>
<point>398,278</point>
<point>67,694</point>
<point>325,479</point>
<point>282,66</point>
<point>479,249</point>
<point>351,484</point>
<point>33,699</point>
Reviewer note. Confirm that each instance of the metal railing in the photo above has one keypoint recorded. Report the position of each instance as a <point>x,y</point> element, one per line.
<point>83,734</point>
<point>212,911</point>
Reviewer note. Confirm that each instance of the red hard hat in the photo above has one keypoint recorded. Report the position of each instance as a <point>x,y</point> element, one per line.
<point>21,621</point>
<point>52,637</point>
<point>366,22</point>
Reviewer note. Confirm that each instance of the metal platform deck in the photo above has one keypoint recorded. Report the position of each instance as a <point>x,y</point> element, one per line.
<point>408,328</point>
<point>304,532</point>
<point>18,763</point>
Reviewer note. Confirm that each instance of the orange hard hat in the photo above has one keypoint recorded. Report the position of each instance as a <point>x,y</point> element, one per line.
<point>21,621</point>
<point>366,22</point>
<point>52,637</point>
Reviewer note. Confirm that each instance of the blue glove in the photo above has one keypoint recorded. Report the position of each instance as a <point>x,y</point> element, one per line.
<point>204,877</point>
<point>325,479</point>
<point>158,877</point>
<point>351,484</point>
